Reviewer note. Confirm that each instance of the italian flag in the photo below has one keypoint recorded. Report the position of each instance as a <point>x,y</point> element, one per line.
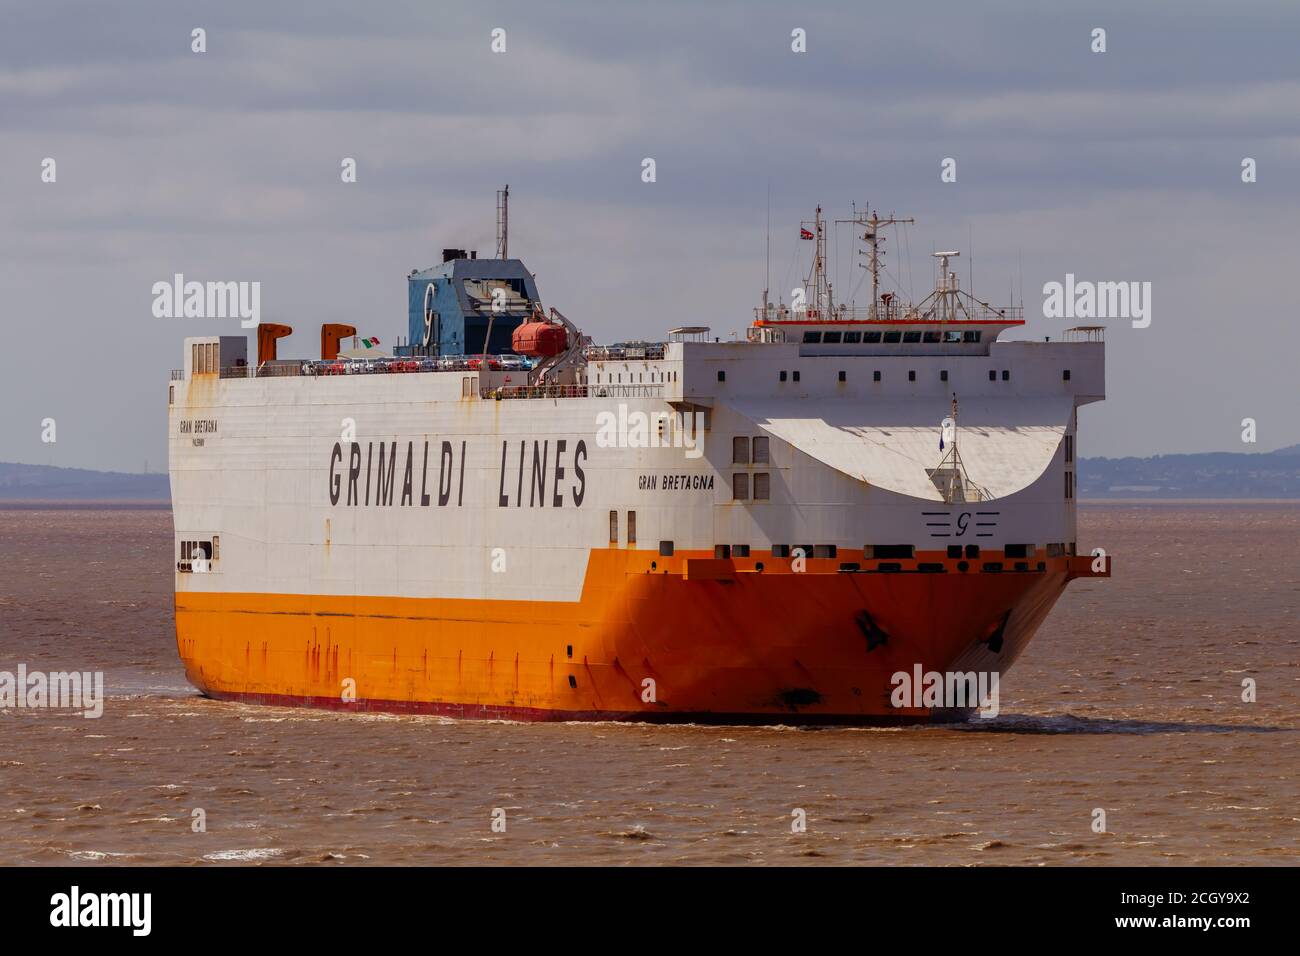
<point>371,342</point>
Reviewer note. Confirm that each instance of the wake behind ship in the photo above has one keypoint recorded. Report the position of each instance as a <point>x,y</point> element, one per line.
<point>503,520</point>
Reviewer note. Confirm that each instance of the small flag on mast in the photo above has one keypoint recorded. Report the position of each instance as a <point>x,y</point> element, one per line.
<point>805,233</point>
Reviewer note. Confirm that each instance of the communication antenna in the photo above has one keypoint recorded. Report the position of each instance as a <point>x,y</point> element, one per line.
<point>503,222</point>
<point>946,286</point>
<point>767,274</point>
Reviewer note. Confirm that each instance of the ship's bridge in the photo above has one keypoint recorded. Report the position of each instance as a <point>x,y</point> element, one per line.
<point>949,321</point>
<point>862,332</point>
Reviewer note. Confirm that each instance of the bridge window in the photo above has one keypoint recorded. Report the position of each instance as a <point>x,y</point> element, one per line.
<point>971,336</point>
<point>931,337</point>
<point>870,338</point>
<point>761,450</point>
<point>952,335</point>
<point>911,337</point>
<point>740,450</point>
<point>852,338</point>
<point>831,338</point>
<point>893,337</point>
<point>812,337</point>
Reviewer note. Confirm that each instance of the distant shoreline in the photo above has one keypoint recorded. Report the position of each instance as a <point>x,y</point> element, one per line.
<point>129,504</point>
<point>1094,502</point>
<point>86,504</point>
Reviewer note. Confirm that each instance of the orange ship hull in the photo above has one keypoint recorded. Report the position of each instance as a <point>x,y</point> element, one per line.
<point>686,638</point>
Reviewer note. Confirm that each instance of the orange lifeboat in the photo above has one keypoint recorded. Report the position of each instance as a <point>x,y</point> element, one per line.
<point>540,338</point>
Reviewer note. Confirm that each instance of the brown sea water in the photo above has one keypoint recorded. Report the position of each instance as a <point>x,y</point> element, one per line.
<point>1129,699</point>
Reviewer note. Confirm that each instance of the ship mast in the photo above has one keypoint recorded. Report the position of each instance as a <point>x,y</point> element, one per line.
<point>816,283</point>
<point>873,239</point>
<point>503,222</point>
<point>949,476</point>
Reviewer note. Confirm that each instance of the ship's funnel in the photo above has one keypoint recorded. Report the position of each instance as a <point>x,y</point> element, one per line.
<point>331,333</point>
<point>267,333</point>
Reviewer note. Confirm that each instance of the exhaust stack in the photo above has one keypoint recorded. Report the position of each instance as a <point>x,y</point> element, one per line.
<point>331,333</point>
<point>267,333</point>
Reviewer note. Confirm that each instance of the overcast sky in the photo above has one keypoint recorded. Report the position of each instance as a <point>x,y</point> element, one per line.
<point>225,165</point>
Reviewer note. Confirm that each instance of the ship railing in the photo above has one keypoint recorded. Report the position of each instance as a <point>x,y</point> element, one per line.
<point>1085,333</point>
<point>626,391</point>
<point>893,312</point>
<point>508,392</point>
<point>651,351</point>
<point>385,366</point>
<point>226,371</point>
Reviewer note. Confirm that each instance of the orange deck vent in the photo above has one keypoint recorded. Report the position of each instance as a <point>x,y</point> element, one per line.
<point>331,333</point>
<point>267,333</point>
<point>540,338</point>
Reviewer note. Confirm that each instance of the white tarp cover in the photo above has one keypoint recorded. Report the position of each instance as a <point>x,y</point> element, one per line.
<point>1005,443</point>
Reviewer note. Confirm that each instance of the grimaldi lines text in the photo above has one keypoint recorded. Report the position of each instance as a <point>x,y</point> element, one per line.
<point>547,470</point>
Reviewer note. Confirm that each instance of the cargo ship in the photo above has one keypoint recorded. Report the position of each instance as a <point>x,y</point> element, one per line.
<point>500,519</point>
